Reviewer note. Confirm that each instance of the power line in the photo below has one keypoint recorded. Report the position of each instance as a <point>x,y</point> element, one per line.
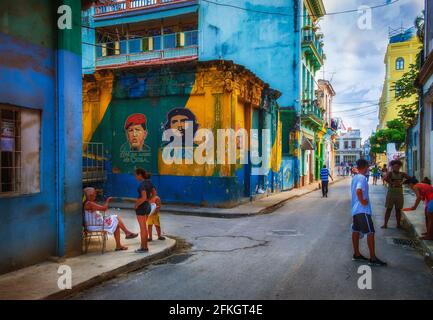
<point>291,15</point>
<point>357,109</point>
<point>359,115</point>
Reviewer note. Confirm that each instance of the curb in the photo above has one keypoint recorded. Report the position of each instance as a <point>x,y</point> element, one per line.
<point>236,215</point>
<point>130,267</point>
<point>427,253</point>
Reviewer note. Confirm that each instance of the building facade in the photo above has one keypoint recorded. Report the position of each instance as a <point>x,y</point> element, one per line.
<point>40,122</point>
<point>325,94</point>
<point>134,36</point>
<point>348,147</point>
<point>312,148</point>
<point>425,83</point>
<point>402,51</point>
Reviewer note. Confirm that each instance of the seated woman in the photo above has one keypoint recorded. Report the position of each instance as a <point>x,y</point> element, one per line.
<point>112,223</point>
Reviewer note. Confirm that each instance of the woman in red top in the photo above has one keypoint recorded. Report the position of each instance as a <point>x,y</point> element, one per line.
<point>424,192</point>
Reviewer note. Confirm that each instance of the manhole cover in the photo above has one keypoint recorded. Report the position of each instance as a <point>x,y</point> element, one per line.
<point>407,243</point>
<point>285,232</point>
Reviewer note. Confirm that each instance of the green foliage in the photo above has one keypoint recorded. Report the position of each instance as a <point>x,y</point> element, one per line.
<point>406,88</point>
<point>395,133</point>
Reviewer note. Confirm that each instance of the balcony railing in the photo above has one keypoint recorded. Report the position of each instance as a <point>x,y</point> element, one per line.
<point>310,39</point>
<point>126,5</point>
<point>312,113</point>
<point>169,46</point>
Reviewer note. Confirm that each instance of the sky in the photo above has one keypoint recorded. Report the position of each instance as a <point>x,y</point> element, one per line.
<point>355,57</point>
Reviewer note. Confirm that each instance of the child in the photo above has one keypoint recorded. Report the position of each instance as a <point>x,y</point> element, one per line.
<point>361,213</point>
<point>153,219</point>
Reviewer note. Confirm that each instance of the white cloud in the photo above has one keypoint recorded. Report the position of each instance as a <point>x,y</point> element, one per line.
<point>356,56</point>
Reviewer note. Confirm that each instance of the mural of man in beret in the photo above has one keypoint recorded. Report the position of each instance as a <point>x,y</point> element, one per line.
<point>135,150</point>
<point>178,119</point>
<point>136,132</point>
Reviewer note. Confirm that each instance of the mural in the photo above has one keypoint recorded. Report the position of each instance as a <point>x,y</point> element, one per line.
<point>183,99</point>
<point>135,150</point>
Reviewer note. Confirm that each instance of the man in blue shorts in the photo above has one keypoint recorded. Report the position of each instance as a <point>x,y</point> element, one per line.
<point>361,214</point>
<point>324,177</point>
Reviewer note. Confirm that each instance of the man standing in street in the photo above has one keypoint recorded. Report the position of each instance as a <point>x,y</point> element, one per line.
<point>361,215</point>
<point>324,176</point>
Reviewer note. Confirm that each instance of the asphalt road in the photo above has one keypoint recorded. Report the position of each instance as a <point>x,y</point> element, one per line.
<point>301,251</point>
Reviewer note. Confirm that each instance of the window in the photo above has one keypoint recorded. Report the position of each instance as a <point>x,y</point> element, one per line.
<point>397,91</point>
<point>353,144</point>
<point>399,64</point>
<point>337,145</point>
<point>19,144</point>
<point>346,144</point>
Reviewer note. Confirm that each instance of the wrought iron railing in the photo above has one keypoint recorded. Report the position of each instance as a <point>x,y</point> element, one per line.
<point>309,36</point>
<point>169,46</point>
<point>126,5</point>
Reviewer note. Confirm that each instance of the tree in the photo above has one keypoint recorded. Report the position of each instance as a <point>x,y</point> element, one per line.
<point>394,133</point>
<point>406,89</point>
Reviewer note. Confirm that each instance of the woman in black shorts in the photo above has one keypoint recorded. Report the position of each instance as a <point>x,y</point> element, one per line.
<point>146,192</point>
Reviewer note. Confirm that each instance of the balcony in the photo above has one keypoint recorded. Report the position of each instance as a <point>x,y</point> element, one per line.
<point>126,6</point>
<point>312,46</point>
<point>174,47</point>
<point>312,115</point>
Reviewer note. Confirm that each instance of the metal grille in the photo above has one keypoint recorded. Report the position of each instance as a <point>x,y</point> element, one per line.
<point>93,163</point>
<point>10,150</point>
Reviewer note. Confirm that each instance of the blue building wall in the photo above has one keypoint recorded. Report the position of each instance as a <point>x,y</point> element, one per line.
<point>267,44</point>
<point>40,70</point>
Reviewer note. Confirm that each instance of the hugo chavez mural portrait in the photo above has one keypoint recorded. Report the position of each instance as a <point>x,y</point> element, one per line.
<point>135,150</point>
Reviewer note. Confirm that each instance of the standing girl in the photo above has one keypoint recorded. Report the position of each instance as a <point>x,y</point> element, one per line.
<point>146,194</point>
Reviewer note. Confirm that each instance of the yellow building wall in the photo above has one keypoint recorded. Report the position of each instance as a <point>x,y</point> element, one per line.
<point>407,50</point>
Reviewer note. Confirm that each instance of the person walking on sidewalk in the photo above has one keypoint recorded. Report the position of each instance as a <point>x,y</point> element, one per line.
<point>376,174</point>
<point>384,172</point>
<point>424,192</point>
<point>394,196</point>
<point>324,177</point>
<point>146,194</point>
<point>361,215</point>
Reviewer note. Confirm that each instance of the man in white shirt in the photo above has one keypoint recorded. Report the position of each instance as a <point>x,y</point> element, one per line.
<point>361,213</point>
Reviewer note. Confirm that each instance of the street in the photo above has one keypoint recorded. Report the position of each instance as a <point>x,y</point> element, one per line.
<point>301,251</point>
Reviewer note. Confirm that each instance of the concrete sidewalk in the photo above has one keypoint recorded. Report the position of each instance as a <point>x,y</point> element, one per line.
<point>40,281</point>
<point>415,221</point>
<point>264,205</point>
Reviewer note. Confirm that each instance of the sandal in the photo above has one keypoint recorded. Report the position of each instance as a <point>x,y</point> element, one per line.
<point>131,236</point>
<point>149,239</point>
<point>121,249</point>
<point>141,250</point>
<point>161,238</point>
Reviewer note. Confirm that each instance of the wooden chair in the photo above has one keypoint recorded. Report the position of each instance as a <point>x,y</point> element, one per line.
<point>92,222</point>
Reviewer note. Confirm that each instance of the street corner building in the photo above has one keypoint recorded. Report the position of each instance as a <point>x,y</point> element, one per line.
<point>211,95</point>
<point>40,126</point>
<point>229,69</point>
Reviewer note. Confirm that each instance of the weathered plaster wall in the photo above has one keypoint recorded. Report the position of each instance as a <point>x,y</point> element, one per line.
<point>40,70</point>
<point>267,44</point>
